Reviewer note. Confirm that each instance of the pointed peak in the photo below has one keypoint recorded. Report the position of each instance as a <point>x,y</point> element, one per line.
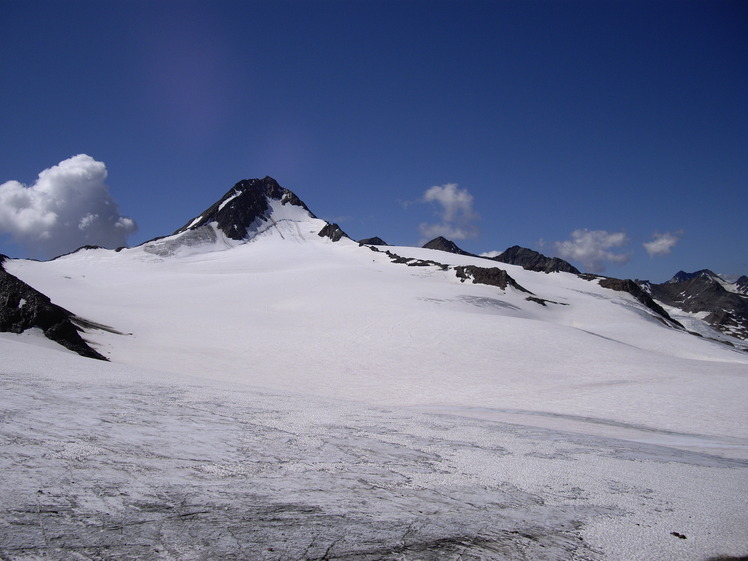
<point>376,240</point>
<point>443,244</point>
<point>242,205</point>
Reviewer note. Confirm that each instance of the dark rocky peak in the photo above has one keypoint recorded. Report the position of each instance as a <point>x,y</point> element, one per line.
<point>695,293</point>
<point>534,261</point>
<point>682,276</point>
<point>443,244</point>
<point>373,241</point>
<point>244,203</point>
<point>703,292</point>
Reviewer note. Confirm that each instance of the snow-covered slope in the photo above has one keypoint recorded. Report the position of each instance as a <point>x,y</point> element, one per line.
<point>282,318</point>
<point>106,461</point>
<point>290,310</point>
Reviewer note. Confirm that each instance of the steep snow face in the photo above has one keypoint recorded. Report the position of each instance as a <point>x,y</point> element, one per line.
<point>292,311</point>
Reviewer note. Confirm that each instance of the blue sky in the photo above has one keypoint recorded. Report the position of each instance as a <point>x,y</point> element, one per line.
<point>580,129</point>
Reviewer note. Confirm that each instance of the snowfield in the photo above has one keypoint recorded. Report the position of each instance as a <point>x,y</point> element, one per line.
<point>295,398</point>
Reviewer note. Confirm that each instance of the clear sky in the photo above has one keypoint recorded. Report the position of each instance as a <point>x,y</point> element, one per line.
<point>580,129</point>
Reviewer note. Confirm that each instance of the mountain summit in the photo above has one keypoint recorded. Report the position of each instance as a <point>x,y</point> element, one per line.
<point>250,208</point>
<point>246,203</point>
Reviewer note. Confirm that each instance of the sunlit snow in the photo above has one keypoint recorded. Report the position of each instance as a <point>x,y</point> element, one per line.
<point>295,398</point>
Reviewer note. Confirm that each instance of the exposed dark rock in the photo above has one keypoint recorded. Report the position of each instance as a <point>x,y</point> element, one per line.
<point>412,261</point>
<point>23,307</point>
<point>534,261</point>
<point>682,276</point>
<point>332,231</point>
<point>727,311</point>
<point>636,291</point>
<point>543,301</point>
<point>244,203</point>
<point>443,244</point>
<point>492,276</point>
<point>373,241</point>
<point>741,285</point>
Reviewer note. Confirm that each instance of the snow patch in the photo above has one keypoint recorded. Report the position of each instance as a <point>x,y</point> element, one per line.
<point>227,201</point>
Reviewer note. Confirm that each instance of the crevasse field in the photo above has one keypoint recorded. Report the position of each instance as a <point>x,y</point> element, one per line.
<point>294,398</point>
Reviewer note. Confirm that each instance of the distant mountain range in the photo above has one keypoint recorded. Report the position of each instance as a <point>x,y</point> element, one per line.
<point>700,302</point>
<point>721,304</point>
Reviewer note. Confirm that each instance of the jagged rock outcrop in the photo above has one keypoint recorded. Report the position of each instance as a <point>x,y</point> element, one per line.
<point>534,261</point>
<point>242,205</point>
<point>376,240</point>
<point>443,244</point>
<point>23,307</point>
<point>492,276</point>
<point>332,231</point>
<point>703,292</point>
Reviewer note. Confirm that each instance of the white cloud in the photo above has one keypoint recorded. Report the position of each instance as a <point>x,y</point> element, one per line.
<point>591,248</point>
<point>661,244</point>
<point>455,210</point>
<point>491,254</point>
<point>67,207</point>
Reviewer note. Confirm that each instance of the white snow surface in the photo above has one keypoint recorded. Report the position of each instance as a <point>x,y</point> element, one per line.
<point>294,398</point>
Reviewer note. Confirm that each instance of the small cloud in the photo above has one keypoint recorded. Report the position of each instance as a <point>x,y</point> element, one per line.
<point>591,248</point>
<point>661,244</point>
<point>491,254</point>
<point>455,208</point>
<point>67,207</point>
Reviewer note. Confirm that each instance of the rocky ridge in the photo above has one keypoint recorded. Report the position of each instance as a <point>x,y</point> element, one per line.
<point>534,261</point>
<point>704,293</point>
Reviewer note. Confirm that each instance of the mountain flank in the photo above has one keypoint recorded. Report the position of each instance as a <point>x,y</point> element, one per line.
<point>258,205</point>
<point>704,292</point>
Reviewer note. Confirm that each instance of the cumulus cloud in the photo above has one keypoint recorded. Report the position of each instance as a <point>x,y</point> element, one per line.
<point>592,248</point>
<point>661,244</point>
<point>67,207</point>
<point>491,254</point>
<point>455,208</point>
